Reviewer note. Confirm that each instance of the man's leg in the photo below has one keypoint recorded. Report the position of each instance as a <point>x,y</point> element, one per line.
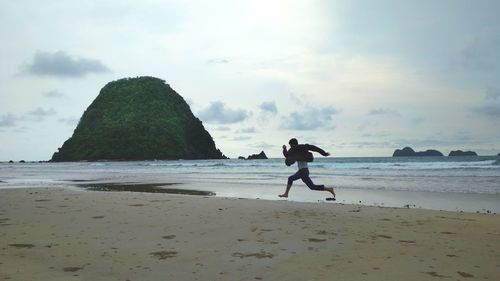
<point>307,180</point>
<point>304,175</point>
<point>291,179</point>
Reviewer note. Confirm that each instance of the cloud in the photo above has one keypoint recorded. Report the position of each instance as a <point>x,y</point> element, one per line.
<point>59,64</point>
<point>297,99</point>
<point>478,53</point>
<point>36,115</point>
<point>376,135</point>
<point>247,130</point>
<point>40,113</point>
<point>384,111</point>
<point>218,113</point>
<point>492,93</point>
<point>417,120</point>
<point>241,138</point>
<point>491,104</point>
<point>223,128</point>
<point>266,146</point>
<point>8,120</point>
<point>269,107</point>
<point>53,94</point>
<point>310,119</point>
<point>371,144</point>
<point>217,61</point>
<point>69,121</point>
<point>490,108</point>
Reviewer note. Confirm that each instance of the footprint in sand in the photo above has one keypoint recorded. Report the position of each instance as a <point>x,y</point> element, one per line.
<point>260,255</point>
<point>435,274</point>
<point>381,236</point>
<point>465,274</point>
<point>407,241</point>
<point>28,246</point>
<point>72,269</point>
<point>162,255</point>
<point>5,221</point>
<point>316,240</point>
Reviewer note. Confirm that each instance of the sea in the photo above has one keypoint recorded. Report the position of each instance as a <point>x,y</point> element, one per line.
<point>468,184</point>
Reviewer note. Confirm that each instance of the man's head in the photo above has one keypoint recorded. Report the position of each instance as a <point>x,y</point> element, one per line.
<point>293,142</point>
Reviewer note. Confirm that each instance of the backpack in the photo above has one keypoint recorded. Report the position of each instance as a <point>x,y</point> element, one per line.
<point>298,153</point>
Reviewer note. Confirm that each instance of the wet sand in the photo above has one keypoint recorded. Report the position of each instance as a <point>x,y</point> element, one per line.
<point>66,234</point>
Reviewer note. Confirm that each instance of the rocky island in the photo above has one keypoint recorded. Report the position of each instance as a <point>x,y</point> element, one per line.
<point>261,155</point>
<point>408,152</point>
<point>139,118</point>
<point>462,153</point>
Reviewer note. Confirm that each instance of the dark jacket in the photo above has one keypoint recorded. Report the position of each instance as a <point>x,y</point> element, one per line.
<point>301,153</point>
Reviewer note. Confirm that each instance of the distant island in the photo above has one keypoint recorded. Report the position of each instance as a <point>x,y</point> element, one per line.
<point>261,155</point>
<point>462,153</point>
<point>408,151</point>
<point>138,119</point>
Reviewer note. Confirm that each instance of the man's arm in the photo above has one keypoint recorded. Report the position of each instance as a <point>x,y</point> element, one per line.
<point>317,149</point>
<point>285,152</point>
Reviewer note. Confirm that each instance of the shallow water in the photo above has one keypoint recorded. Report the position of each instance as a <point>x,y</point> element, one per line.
<point>450,183</point>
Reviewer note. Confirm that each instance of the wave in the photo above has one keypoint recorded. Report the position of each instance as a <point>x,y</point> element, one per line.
<point>327,164</point>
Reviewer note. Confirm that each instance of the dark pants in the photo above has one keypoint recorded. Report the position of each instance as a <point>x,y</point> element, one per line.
<point>303,174</point>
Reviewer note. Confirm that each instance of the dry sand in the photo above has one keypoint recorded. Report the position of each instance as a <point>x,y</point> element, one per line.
<point>64,234</point>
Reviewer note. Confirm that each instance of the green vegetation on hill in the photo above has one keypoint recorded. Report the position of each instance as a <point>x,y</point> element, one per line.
<point>138,119</point>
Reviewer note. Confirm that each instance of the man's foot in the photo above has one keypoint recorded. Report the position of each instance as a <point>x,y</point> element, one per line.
<point>330,189</point>
<point>283,195</point>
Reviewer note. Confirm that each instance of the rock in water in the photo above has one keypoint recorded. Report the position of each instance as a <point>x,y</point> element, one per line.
<point>261,155</point>
<point>408,151</point>
<point>138,119</point>
<point>462,153</point>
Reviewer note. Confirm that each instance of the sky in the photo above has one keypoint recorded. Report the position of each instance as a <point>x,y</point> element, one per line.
<point>356,78</point>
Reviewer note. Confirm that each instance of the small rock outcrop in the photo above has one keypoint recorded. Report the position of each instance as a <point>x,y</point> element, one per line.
<point>241,158</point>
<point>408,152</point>
<point>261,155</point>
<point>462,153</point>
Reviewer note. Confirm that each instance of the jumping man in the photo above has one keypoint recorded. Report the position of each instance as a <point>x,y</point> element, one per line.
<point>300,153</point>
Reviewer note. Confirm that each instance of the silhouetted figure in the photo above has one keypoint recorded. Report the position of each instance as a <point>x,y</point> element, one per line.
<point>300,153</point>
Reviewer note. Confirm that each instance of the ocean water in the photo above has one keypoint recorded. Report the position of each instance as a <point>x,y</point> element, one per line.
<point>448,183</point>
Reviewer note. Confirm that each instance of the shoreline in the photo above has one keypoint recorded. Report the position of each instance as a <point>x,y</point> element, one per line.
<point>70,234</point>
<point>370,182</point>
<point>434,201</point>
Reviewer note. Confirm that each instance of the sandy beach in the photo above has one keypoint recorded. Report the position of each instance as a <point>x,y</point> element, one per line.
<point>69,234</point>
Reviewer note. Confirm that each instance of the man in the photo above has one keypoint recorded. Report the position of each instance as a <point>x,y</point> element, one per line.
<point>300,153</point>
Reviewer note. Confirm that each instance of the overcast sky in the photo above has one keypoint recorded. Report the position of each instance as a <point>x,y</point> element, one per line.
<point>357,78</point>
